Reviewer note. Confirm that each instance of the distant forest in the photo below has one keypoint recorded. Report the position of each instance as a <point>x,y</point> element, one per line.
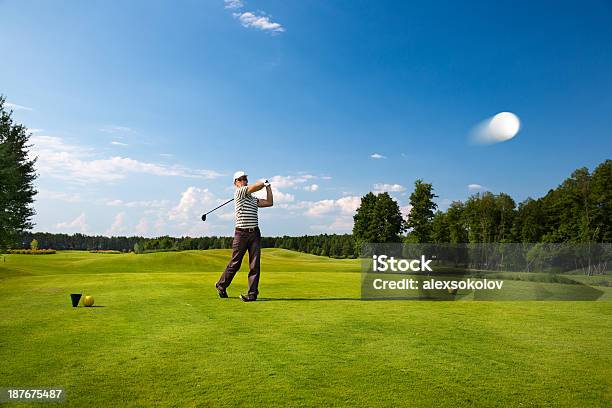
<point>327,245</point>
<point>578,210</point>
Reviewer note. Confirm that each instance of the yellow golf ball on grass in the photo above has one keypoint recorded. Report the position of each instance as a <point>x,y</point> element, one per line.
<point>88,301</point>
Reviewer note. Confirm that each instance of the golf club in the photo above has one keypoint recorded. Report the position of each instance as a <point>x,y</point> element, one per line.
<point>204,215</point>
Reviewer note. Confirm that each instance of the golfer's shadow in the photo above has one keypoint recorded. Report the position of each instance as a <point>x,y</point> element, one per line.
<point>340,299</point>
<point>267,299</point>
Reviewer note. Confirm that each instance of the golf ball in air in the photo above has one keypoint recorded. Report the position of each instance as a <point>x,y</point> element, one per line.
<point>504,126</point>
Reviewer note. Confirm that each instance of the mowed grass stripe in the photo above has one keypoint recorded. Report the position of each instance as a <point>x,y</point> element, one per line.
<point>214,260</point>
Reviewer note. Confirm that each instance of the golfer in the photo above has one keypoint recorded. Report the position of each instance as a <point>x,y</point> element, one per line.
<point>247,235</point>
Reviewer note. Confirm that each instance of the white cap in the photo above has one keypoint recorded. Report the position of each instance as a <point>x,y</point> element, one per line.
<point>239,174</point>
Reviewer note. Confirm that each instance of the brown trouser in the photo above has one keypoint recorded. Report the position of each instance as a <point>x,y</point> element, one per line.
<point>244,239</point>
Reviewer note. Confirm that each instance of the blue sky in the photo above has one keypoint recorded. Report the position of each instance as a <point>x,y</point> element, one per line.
<point>142,110</point>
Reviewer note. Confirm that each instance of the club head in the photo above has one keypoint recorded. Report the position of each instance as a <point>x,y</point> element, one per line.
<point>204,217</point>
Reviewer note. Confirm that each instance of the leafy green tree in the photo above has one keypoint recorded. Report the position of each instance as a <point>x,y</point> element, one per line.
<point>601,196</point>
<point>581,206</point>
<point>389,221</point>
<point>529,222</point>
<point>34,245</point>
<point>166,243</point>
<point>490,217</point>
<point>440,232</point>
<point>506,211</point>
<point>569,210</point>
<point>455,219</point>
<point>480,213</point>
<point>364,227</point>
<point>17,175</point>
<point>422,212</point>
<point>378,220</point>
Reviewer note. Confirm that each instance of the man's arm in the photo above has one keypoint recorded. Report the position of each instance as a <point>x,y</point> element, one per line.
<point>269,201</point>
<point>255,187</point>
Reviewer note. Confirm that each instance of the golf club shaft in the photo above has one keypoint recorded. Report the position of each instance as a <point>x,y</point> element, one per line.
<point>228,201</point>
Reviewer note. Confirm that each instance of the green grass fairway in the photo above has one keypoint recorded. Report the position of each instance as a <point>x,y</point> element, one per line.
<point>160,336</point>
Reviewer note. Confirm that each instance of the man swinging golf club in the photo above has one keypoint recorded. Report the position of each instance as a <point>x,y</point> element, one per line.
<point>247,235</point>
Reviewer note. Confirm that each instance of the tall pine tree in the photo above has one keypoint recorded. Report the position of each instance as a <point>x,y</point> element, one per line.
<point>422,212</point>
<point>16,177</point>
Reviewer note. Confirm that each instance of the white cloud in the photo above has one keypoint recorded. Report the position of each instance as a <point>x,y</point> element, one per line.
<point>390,188</point>
<point>226,216</point>
<point>300,205</point>
<point>76,163</point>
<point>282,197</point>
<point>291,181</point>
<point>194,201</point>
<point>312,187</point>
<point>59,195</point>
<point>321,208</point>
<point>341,210</point>
<point>116,143</point>
<point>117,167</point>
<point>474,187</point>
<point>261,22</point>
<point>114,203</point>
<point>279,196</point>
<point>77,225</point>
<point>344,205</point>
<point>201,229</point>
<point>405,210</point>
<point>185,216</point>
<point>166,155</point>
<point>118,225</point>
<point>142,228</point>
<point>337,215</point>
<point>251,19</point>
<point>35,130</point>
<point>14,106</point>
<point>53,144</point>
<point>139,204</point>
<point>348,205</point>
<point>233,4</point>
<point>116,129</point>
<point>148,204</point>
<point>339,225</point>
<point>377,156</point>
<point>159,225</point>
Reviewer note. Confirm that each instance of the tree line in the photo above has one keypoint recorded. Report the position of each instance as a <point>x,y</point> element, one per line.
<point>579,210</point>
<point>332,245</point>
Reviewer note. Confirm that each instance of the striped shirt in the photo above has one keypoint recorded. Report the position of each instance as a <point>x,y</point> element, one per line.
<point>245,206</point>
